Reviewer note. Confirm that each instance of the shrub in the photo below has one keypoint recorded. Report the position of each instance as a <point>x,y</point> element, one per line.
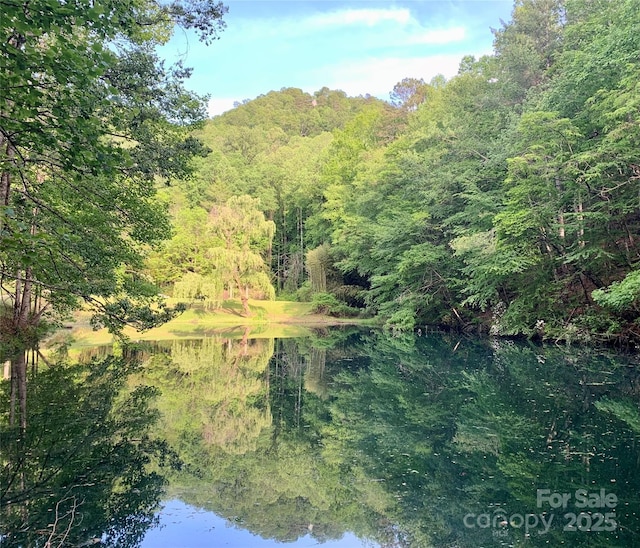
<point>305,293</point>
<point>325,303</point>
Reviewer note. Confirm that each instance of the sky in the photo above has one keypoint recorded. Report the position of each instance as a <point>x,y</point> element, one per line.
<point>359,46</point>
<point>182,525</point>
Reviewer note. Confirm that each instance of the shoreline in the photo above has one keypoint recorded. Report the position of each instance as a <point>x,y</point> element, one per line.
<point>270,319</point>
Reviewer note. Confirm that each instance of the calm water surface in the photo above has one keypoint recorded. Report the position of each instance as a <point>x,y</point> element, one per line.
<point>344,439</point>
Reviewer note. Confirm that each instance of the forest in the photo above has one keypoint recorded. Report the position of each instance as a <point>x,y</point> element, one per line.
<point>505,200</point>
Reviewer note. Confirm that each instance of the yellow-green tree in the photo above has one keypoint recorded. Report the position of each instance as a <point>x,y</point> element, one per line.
<point>242,235</point>
<point>222,250</point>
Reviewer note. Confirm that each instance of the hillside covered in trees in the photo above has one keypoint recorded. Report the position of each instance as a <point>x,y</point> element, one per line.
<point>506,199</point>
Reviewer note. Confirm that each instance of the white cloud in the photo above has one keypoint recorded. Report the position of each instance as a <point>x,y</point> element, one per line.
<point>285,28</point>
<point>377,76</point>
<point>357,50</point>
<point>437,36</point>
<point>218,105</point>
<point>368,17</point>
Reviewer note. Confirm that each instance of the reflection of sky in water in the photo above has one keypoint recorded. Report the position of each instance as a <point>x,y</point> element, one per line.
<point>398,440</point>
<point>184,526</point>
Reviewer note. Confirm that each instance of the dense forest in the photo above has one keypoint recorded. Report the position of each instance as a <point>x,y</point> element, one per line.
<point>504,200</point>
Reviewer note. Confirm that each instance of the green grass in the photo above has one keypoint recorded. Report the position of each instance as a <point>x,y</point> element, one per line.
<point>269,319</point>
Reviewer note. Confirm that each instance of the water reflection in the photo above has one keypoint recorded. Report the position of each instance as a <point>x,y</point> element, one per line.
<point>185,525</point>
<point>76,458</point>
<point>399,442</point>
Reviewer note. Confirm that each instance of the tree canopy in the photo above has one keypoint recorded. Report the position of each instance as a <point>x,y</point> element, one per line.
<point>504,198</point>
<point>90,119</point>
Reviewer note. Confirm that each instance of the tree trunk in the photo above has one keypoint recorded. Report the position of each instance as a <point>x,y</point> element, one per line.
<point>245,302</point>
<point>580,223</point>
<point>5,179</point>
<point>244,296</point>
<point>561,229</point>
<point>245,341</point>
<point>22,300</point>
<point>25,301</point>
<point>19,389</point>
<point>561,223</point>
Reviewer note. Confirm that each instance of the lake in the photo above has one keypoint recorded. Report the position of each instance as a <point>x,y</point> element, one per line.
<point>346,438</point>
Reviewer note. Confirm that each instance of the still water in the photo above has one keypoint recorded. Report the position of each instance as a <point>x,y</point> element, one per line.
<point>347,438</point>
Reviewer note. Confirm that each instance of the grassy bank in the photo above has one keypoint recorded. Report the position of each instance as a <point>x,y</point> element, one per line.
<point>268,319</point>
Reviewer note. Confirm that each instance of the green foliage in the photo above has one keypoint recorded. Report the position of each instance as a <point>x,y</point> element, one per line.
<point>217,251</point>
<point>317,262</point>
<point>328,304</point>
<point>145,314</point>
<point>504,198</point>
<point>402,317</point>
<point>274,149</point>
<point>621,296</point>
<point>195,286</point>
<point>526,47</point>
<point>242,234</point>
<point>305,292</point>
<point>90,119</point>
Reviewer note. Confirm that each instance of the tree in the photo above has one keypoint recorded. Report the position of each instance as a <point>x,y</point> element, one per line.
<point>288,184</point>
<point>89,119</point>
<point>409,93</point>
<point>570,206</point>
<point>185,251</point>
<point>317,263</point>
<point>242,234</point>
<point>210,252</point>
<point>531,234</point>
<point>438,179</point>
<point>527,45</point>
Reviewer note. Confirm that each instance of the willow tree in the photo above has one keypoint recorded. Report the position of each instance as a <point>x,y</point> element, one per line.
<point>90,118</point>
<point>242,236</point>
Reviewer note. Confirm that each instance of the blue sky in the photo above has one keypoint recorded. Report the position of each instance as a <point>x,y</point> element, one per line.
<point>182,525</point>
<point>358,46</point>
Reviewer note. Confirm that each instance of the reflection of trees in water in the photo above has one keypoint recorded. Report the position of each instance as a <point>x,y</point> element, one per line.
<point>314,379</point>
<point>272,485</point>
<point>409,435</point>
<point>214,390</point>
<point>75,466</point>
<point>394,438</point>
<point>18,376</point>
<point>472,428</point>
